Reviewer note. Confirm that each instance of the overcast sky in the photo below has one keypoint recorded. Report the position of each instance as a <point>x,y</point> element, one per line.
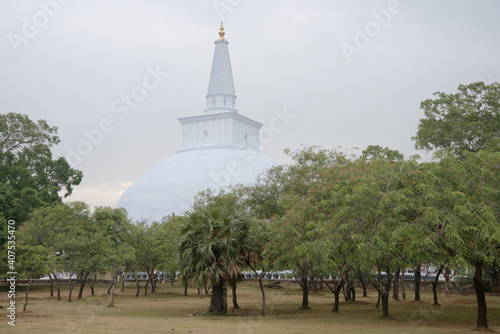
<point>352,73</point>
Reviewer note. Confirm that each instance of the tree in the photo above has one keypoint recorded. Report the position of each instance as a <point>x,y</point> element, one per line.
<point>115,230</point>
<point>230,199</point>
<point>377,151</point>
<point>298,227</point>
<point>369,211</point>
<point>70,238</point>
<point>81,243</point>
<point>32,264</point>
<point>467,215</point>
<point>138,241</point>
<point>213,246</point>
<point>29,177</point>
<point>466,121</point>
<point>53,228</point>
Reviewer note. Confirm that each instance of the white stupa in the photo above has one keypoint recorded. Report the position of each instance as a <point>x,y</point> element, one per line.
<point>219,148</point>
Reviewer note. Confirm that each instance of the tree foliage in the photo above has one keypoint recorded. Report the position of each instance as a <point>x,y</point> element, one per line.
<point>29,176</point>
<point>213,246</point>
<point>465,121</point>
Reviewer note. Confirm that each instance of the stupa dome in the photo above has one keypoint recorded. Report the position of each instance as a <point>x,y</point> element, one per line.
<point>170,186</point>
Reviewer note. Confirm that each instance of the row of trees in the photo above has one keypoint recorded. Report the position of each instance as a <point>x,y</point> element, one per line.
<point>329,214</point>
<point>345,216</point>
<point>324,214</point>
<point>70,238</point>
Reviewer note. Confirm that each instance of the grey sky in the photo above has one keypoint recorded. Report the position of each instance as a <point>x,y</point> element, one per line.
<point>286,55</point>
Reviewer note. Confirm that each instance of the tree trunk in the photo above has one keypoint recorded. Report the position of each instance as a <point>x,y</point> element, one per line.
<point>446,274</point>
<point>70,288</point>
<point>304,285</point>
<point>110,286</point>
<point>91,284</point>
<point>51,285</point>
<point>385,291</point>
<point>138,285</point>
<point>58,286</point>
<point>185,287</point>
<point>153,281</point>
<point>378,286</point>
<point>417,282</point>
<point>172,279</point>
<point>263,310</point>
<point>403,284</point>
<point>435,284</point>
<point>82,285</point>
<point>27,292</point>
<point>482,319</point>
<point>233,288</point>
<point>225,295</point>
<point>395,291</point>
<point>217,298</point>
<point>385,304</point>
<point>363,284</point>
<point>347,291</point>
<point>305,296</point>
<point>123,283</point>
<point>336,294</point>
<point>146,288</point>
<point>113,284</point>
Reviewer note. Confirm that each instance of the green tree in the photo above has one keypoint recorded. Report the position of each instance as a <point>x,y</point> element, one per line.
<point>377,151</point>
<point>168,235</point>
<point>29,177</point>
<point>53,228</point>
<point>231,200</point>
<point>296,228</point>
<point>81,243</point>
<point>213,245</point>
<point>465,121</point>
<point>368,210</point>
<point>151,253</point>
<point>466,214</point>
<point>32,264</point>
<point>115,230</point>
<point>138,243</point>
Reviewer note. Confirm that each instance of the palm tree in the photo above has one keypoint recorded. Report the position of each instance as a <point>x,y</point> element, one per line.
<point>213,246</point>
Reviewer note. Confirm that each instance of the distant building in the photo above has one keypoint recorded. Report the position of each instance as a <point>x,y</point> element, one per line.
<point>219,148</point>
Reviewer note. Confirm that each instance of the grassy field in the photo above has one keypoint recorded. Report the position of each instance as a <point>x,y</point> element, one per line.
<point>168,311</point>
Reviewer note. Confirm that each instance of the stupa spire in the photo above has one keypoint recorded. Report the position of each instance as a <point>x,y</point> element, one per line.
<point>221,31</point>
<point>221,96</point>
